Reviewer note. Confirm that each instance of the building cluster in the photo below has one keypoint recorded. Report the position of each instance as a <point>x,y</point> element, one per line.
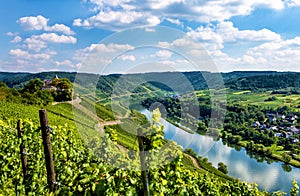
<point>282,125</point>
<point>49,85</point>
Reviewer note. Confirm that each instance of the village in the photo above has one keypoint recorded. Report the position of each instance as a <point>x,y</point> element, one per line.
<point>283,126</point>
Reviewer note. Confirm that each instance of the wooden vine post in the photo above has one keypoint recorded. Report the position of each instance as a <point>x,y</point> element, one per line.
<point>23,156</point>
<point>47,149</point>
<point>143,162</point>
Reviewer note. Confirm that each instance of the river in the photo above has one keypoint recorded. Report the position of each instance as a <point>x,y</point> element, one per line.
<point>270,177</point>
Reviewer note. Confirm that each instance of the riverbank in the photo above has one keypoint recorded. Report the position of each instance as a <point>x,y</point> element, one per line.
<point>276,155</point>
<point>241,165</point>
<point>179,126</point>
<point>243,143</point>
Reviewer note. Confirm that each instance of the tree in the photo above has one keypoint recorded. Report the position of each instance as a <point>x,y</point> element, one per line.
<point>286,158</point>
<point>191,152</point>
<point>295,189</point>
<point>64,83</point>
<point>223,168</point>
<point>33,86</point>
<point>46,96</point>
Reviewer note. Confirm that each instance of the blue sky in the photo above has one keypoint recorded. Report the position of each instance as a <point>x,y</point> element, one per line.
<point>53,35</point>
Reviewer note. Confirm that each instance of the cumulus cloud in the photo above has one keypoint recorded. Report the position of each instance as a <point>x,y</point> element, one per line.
<point>33,22</point>
<point>22,54</point>
<point>174,21</point>
<point>213,37</point>
<point>102,49</point>
<point>127,57</point>
<point>274,55</point>
<point>65,63</point>
<point>164,54</point>
<point>116,20</point>
<point>11,34</point>
<point>231,33</point>
<point>96,57</point>
<point>292,3</point>
<point>38,42</point>
<point>54,38</point>
<point>41,23</point>
<point>17,39</point>
<point>35,44</point>
<point>116,15</point>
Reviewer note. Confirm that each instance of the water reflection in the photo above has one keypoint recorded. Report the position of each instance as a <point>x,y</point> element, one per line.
<point>269,175</point>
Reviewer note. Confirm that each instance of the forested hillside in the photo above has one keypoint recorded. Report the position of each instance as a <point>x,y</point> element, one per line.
<point>249,80</point>
<point>269,82</point>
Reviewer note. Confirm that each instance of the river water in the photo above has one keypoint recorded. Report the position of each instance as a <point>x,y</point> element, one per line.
<point>270,177</point>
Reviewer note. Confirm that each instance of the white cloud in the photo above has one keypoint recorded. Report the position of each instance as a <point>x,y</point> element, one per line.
<point>33,22</point>
<point>116,20</point>
<point>158,4</point>
<point>96,57</point>
<point>51,38</point>
<point>116,15</point>
<point>164,54</point>
<point>60,28</point>
<point>54,38</point>
<point>11,34</point>
<point>38,42</point>
<point>282,55</point>
<point>41,23</point>
<point>24,60</point>
<point>214,37</point>
<point>231,33</point>
<point>22,54</point>
<point>174,21</point>
<point>150,30</point>
<point>292,3</point>
<point>226,32</point>
<point>67,63</point>
<point>101,49</point>
<point>102,3</point>
<point>35,44</point>
<point>127,57</point>
<point>210,39</point>
<point>17,39</point>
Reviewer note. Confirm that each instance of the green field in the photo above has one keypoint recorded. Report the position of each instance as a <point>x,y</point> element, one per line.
<point>259,98</point>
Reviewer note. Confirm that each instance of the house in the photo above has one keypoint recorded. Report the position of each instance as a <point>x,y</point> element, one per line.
<point>286,134</point>
<point>256,124</point>
<point>282,116</point>
<point>264,126</point>
<point>293,130</point>
<point>278,134</point>
<point>273,128</point>
<point>272,117</point>
<point>292,117</point>
<point>48,85</point>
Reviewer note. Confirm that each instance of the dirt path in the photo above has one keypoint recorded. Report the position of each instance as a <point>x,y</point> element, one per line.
<point>122,148</point>
<point>101,123</point>
<point>195,162</point>
<point>75,101</point>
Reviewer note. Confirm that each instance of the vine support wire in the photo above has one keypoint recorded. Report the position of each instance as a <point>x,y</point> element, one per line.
<point>47,149</point>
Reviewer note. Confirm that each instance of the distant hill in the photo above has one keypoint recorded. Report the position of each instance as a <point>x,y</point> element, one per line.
<point>17,80</point>
<point>7,75</point>
<point>269,82</point>
<point>243,80</point>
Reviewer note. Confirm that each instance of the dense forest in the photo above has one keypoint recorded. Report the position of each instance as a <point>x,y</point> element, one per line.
<point>33,92</point>
<point>251,80</point>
